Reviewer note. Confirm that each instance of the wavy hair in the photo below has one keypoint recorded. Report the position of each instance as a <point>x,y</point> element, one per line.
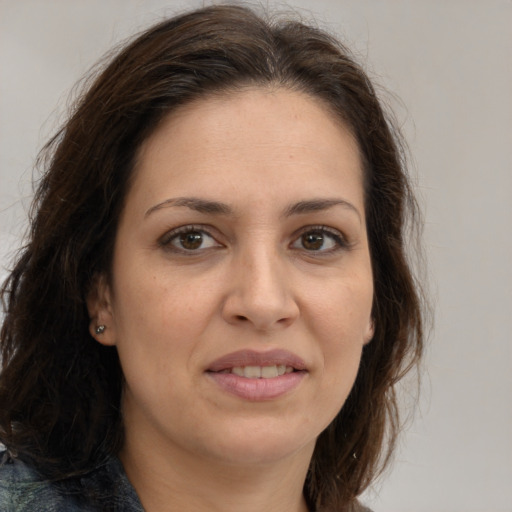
<point>59,389</point>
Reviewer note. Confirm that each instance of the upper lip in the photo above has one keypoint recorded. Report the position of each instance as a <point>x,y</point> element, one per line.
<point>255,358</point>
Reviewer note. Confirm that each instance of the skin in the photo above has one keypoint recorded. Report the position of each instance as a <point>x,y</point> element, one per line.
<point>255,281</point>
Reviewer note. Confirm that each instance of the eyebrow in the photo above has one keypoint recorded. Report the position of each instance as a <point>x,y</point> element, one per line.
<point>317,205</point>
<point>218,208</point>
<point>194,203</point>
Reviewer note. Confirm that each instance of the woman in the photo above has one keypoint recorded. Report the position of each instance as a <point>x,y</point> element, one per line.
<point>214,305</point>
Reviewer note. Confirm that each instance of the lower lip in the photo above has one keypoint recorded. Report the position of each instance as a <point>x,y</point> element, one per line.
<point>258,389</point>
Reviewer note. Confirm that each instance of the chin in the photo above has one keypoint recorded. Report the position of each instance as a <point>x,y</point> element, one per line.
<point>260,445</point>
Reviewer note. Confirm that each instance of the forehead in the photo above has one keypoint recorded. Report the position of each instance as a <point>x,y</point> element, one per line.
<point>259,136</point>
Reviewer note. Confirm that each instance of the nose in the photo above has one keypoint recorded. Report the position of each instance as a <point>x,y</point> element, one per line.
<point>260,292</point>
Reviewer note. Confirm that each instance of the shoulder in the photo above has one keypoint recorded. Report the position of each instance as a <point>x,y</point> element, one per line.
<point>21,489</point>
<point>361,508</point>
<point>356,506</point>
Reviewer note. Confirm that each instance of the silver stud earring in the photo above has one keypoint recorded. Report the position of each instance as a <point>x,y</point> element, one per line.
<point>100,329</point>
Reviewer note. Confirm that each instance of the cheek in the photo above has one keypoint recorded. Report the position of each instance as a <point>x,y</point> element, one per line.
<point>160,306</point>
<point>341,318</point>
<point>341,312</point>
<point>159,325</point>
<point>157,329</point>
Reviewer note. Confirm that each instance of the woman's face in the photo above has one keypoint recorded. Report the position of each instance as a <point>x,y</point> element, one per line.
<point>242,289</point>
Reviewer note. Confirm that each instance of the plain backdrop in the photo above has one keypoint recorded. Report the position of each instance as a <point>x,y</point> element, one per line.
<point>448,65</point>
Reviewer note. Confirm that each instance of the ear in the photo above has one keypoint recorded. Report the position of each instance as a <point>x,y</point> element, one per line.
<point>99,306</point>
<point>370,331</point>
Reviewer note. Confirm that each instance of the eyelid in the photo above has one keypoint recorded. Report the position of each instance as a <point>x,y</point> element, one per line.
<point>337,235</point>
<point>166,239</point>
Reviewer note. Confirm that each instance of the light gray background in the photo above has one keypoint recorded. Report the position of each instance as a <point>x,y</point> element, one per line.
<point>450,63</point>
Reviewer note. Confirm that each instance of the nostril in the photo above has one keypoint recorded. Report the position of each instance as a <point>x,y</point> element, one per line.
<point>242,318</point>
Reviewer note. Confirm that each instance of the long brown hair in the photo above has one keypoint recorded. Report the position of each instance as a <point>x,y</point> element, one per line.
<point>59,389</point>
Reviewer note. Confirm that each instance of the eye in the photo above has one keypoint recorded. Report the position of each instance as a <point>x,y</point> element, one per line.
<point>188,239</point>
<point>320,239</point>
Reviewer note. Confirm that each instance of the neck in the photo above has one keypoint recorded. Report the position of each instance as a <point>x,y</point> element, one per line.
<point>172,481</point>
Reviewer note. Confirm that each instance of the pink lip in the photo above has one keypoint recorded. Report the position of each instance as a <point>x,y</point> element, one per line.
<point>257,389</point>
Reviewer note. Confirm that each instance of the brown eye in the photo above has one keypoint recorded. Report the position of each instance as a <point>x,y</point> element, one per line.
<point>313,241</point>
<point>188,239</point>
<point>322,240</point>
<point>191,240</point>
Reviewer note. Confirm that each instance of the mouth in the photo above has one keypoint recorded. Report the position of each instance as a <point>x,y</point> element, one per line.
<point>252,364</point>
<point>259,372</point>
<point>258,376</point>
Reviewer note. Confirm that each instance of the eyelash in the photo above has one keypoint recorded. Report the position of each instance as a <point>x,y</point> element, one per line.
<point>336,236</point>
<point>340,242</point>
<point>166,240</point>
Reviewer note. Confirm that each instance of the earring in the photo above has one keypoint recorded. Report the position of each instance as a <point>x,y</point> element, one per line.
<point>100,329</point>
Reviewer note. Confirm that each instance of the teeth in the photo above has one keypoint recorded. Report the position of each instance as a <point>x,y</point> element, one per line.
<point>252,372</point>
<point>261,372</point>
<point>238,370</point>
<point>267,372</point>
